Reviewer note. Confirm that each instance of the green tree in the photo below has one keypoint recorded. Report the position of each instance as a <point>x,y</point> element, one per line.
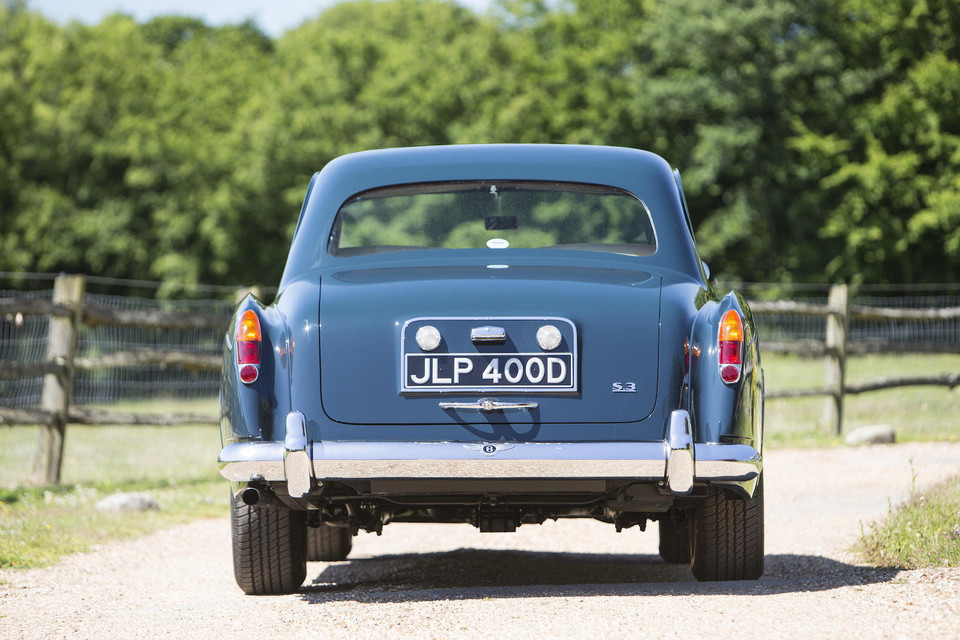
<point>892,190</point>
<point>81,86</point>
<point>818,140</point>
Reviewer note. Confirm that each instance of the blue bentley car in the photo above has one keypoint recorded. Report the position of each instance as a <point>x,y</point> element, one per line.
<point>494,335</point>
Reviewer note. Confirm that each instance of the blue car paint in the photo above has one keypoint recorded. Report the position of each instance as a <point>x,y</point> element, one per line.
<point>618,310</point>
<point>688,309</point>
<point>641,173</point>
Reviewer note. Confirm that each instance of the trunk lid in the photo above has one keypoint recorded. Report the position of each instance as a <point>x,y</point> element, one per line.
<point>605,369</point>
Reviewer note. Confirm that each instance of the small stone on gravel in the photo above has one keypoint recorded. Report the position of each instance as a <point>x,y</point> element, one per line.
<point>128,502</point>
<point>877,434</point>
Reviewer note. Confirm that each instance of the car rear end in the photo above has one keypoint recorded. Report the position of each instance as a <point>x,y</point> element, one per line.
<point>511,365</point>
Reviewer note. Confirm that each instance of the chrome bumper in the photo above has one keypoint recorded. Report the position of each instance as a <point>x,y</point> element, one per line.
<point>676,461</point>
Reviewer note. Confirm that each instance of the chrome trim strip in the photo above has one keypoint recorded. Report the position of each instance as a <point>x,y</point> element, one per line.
<point>680,454</point>
<point>488,404</point>
<point>250,461</point>
<point>727,462</point>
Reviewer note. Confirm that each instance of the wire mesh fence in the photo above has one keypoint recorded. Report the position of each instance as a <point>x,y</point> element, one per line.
<point>23,337</point>
<point>109,385</point>
<point>920,335</point>
<point>943,332</point>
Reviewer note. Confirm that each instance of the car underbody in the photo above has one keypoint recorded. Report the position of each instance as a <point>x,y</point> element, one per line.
<point>495,487</point>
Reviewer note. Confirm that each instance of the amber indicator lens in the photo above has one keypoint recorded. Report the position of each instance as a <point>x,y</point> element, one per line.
<point>248,327</point>
<point>731,327</point>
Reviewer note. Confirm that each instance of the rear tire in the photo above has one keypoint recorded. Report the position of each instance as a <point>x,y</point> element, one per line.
<point>269,549</point>
<point>328,544</point>
<point>728,537</point>
<point>675,540</point>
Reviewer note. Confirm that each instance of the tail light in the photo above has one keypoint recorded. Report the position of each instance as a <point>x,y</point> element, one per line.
<point>248,346</point>
<point>730,343</point>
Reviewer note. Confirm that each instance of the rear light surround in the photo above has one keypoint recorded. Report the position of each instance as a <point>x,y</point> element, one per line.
<point>249,340</point>
<point>730,347</point>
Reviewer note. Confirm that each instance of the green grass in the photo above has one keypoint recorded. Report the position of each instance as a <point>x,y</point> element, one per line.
<point>116,454</point>
<point>923,532</point>
<point>175,465</point>
<point>916,413</point>
<point>38,526</point>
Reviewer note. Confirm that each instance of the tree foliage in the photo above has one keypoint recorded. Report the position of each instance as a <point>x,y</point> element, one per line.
<point>819,140</point>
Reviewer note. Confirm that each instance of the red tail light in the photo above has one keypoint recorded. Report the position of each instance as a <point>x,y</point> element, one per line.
<point>248,346</point>
<point>730,346</point>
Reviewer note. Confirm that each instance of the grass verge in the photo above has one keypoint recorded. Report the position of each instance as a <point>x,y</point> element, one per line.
<point>923,532</point>
<point>915,413</point>
<point>176,466</point>
<point>38,526</point>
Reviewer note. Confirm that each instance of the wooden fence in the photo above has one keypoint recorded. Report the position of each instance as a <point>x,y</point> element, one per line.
<point>67,311</point>
<point>836,348</point>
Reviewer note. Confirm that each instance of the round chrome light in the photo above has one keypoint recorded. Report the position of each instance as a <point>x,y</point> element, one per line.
<point>549,337</point>
<point>428,337</point>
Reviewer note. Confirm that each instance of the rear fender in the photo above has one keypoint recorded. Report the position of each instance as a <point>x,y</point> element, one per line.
<point>247,410</point>
<point>719,411</point>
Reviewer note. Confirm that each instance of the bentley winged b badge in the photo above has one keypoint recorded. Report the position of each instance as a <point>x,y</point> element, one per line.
<point>489,449</point>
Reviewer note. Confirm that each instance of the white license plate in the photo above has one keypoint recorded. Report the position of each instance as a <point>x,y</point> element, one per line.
<point>469,372</point>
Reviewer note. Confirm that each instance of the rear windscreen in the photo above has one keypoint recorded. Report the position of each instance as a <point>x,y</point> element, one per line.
<point>493,215</point>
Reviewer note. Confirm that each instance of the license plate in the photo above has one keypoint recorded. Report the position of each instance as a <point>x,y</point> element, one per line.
<point>468,372</point>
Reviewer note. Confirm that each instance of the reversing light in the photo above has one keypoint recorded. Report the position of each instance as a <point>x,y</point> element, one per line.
<point>428,337</point>
<point>730,346</point>
<point>248,340</point>
<point>549,337</point>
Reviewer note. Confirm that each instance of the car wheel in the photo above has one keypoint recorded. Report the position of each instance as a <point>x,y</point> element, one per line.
<point>675,540</point>
<point>728,537</point>
<point>269,549</point>
<point>328,544</point>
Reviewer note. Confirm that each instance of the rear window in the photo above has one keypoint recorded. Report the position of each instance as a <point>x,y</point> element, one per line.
<point>493,215</point>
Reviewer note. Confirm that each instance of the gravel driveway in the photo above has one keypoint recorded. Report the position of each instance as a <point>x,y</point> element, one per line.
<point>566,579</point>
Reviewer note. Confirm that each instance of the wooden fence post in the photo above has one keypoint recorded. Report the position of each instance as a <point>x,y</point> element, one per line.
<point>55,398</point>
<point>836,356</point>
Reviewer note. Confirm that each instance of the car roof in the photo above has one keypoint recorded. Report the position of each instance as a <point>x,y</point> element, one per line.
<point>569,163</point>
<point>642,173</point>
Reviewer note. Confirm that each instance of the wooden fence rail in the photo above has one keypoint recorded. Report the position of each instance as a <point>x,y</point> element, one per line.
<point>837,347</point>
<point>67,311</point>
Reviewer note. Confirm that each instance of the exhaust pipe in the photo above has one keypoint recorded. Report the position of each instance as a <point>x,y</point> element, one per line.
<point>252,496</point>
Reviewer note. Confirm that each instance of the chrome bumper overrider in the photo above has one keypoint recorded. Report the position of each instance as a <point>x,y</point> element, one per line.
<point>677,461</point>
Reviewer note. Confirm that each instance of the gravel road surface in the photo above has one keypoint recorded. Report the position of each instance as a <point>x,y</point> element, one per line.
<point>564,579</point>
